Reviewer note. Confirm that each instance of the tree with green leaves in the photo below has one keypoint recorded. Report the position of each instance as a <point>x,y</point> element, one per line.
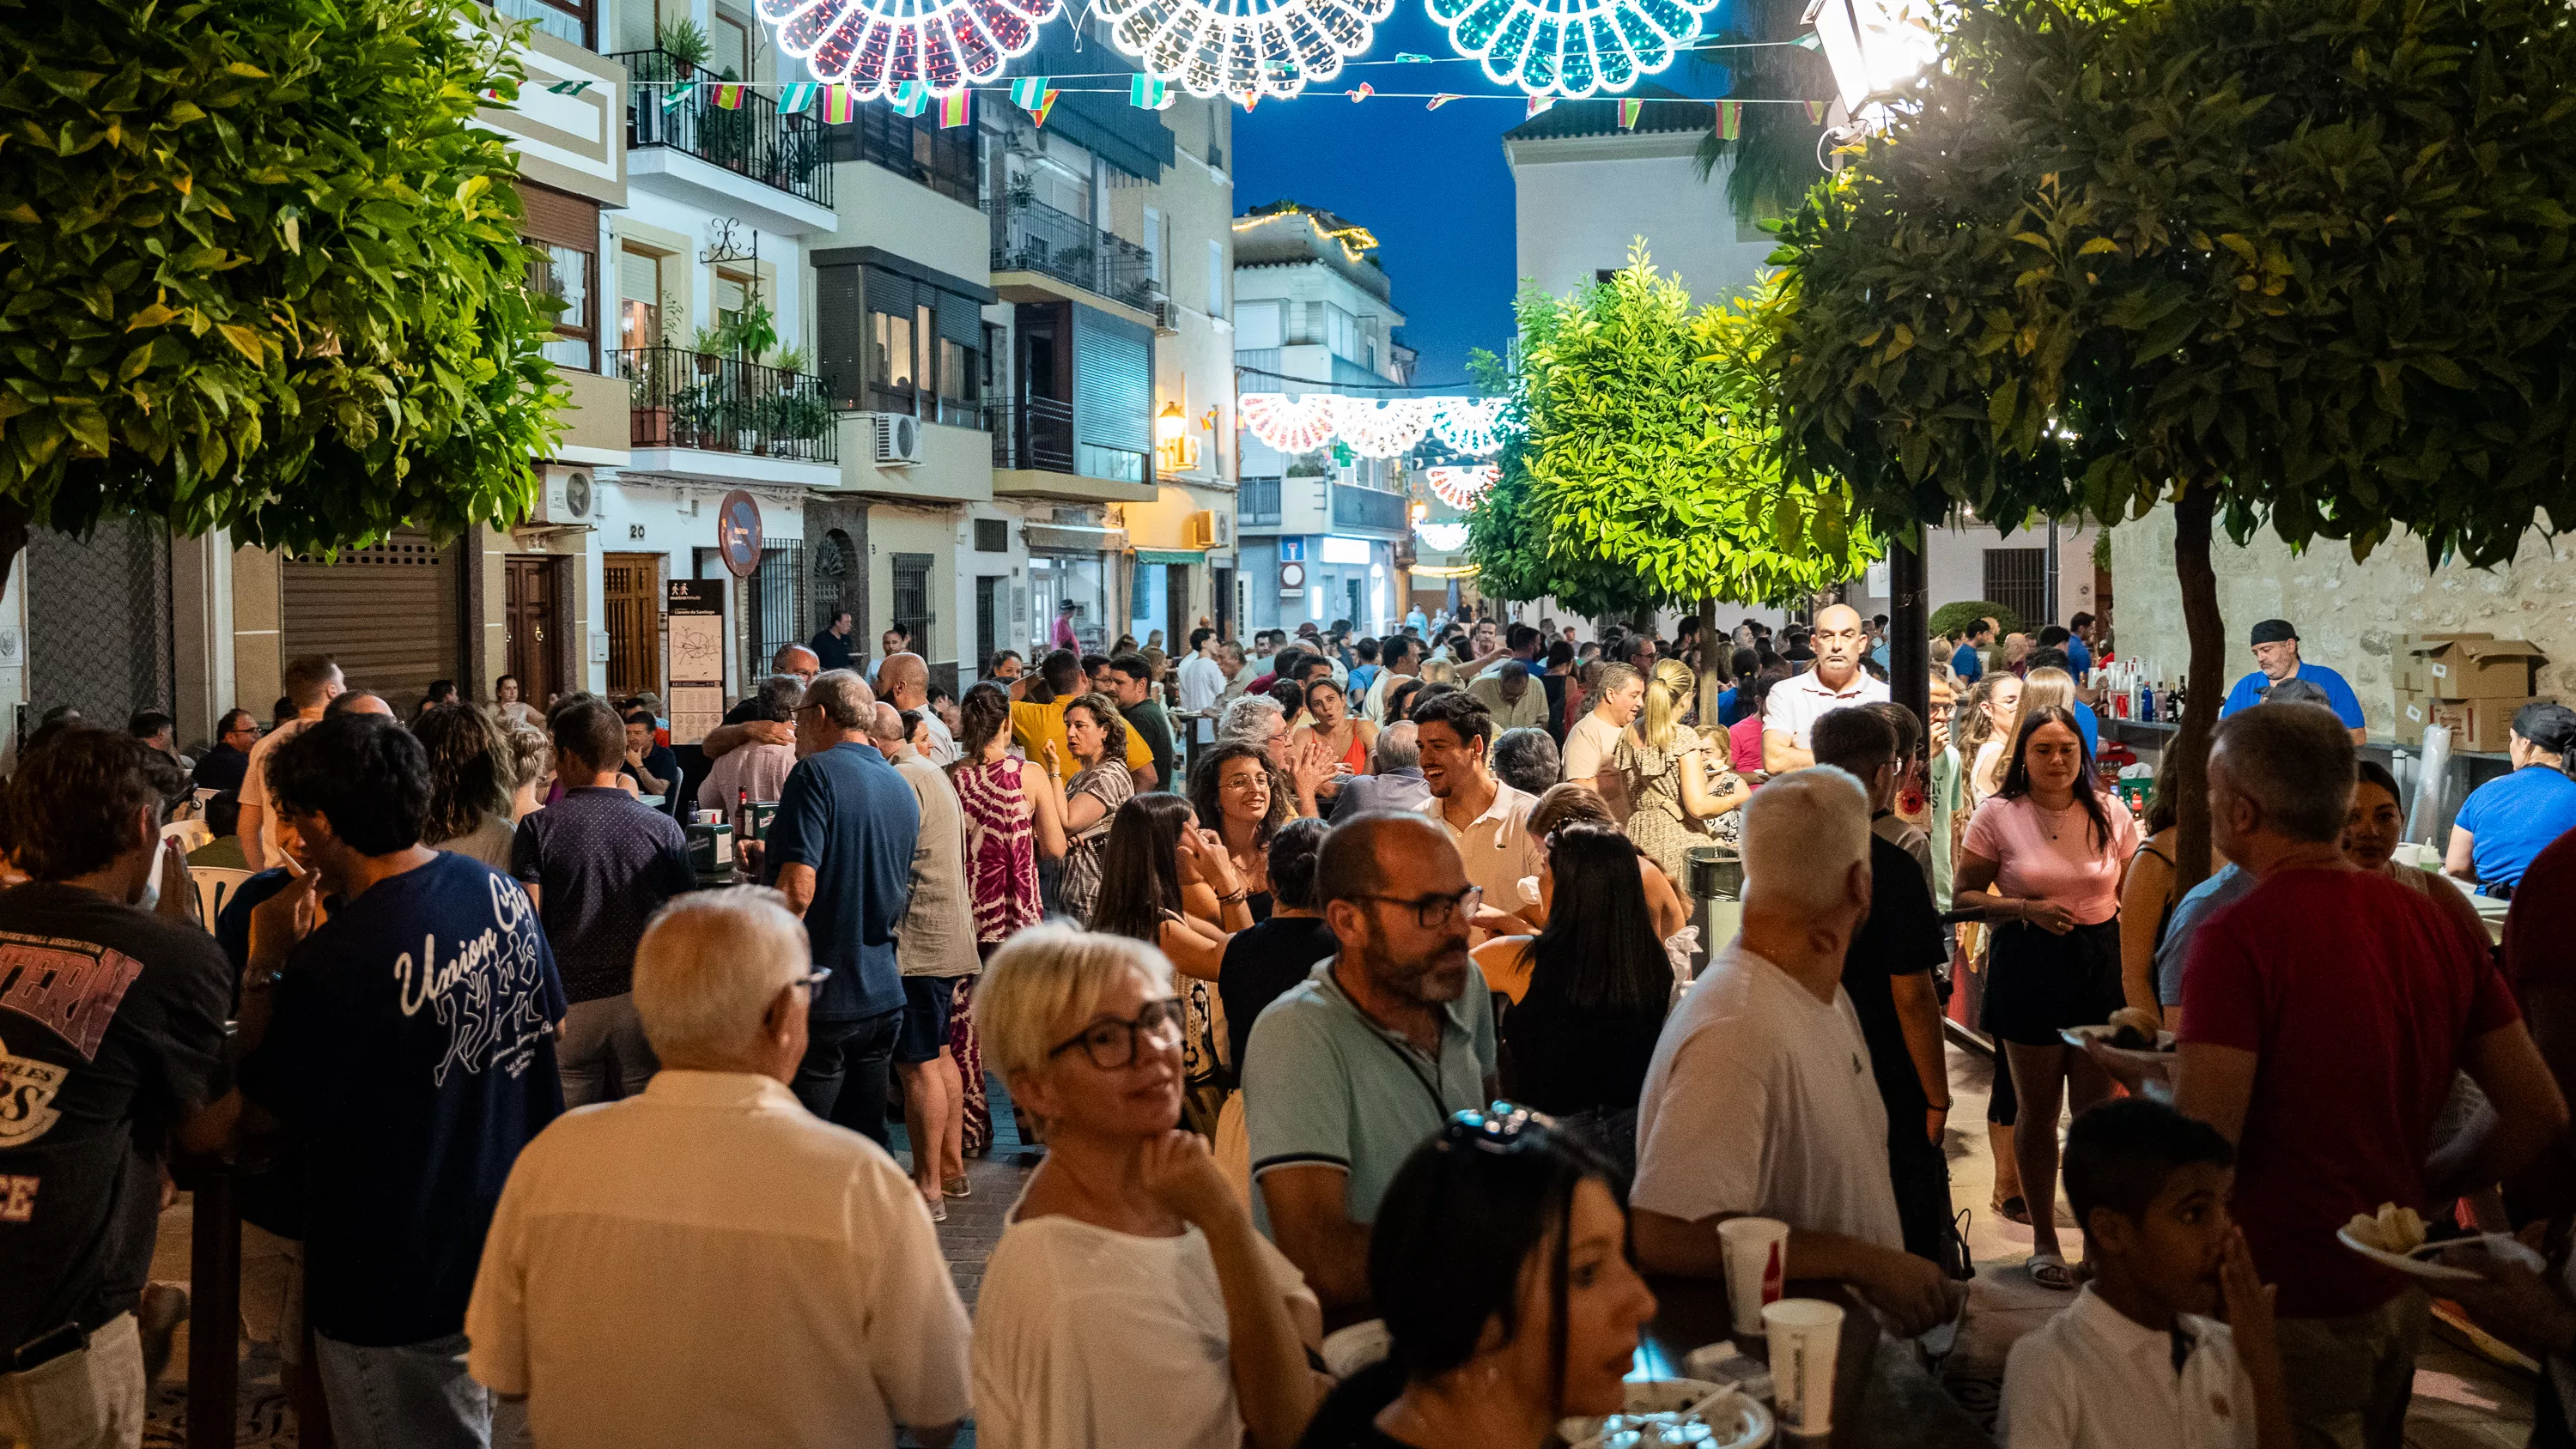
<point>2297,264</point>
<point>1774,156</point>
<point>263,272</point>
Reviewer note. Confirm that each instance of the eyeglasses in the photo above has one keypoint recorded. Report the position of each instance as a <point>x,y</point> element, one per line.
<point>812,981</point>
<point>1433,912</point>
<point>1112,1044</point>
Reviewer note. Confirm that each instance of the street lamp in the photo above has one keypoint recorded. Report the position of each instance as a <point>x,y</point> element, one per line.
<point>1874,47</point>
<point>1169,426</point>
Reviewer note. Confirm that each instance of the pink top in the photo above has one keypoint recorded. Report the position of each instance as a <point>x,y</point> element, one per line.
<point>1745,740</point>
<point>2073,869</point>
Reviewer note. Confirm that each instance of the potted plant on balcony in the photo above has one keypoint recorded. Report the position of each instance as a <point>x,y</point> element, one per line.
<point>685,43</point>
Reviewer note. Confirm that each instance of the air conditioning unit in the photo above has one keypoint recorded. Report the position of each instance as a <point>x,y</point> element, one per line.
<point>1167,317</point>
<point>1208,528</point>
<point>567,498</point>
<point>897,438</point>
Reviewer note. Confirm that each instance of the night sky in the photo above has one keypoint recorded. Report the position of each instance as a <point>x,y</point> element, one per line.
<point>1431,185</point>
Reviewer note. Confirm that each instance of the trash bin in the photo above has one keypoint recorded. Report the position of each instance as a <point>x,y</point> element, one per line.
<point>1716,886</point>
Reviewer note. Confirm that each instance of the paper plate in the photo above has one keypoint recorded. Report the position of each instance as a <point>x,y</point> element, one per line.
<point>2077,1036</point>
<point>2418,1263</point>
<point>1735,1421</point>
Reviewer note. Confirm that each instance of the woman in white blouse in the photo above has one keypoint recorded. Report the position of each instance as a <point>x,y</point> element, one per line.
<point>1130,1302</point>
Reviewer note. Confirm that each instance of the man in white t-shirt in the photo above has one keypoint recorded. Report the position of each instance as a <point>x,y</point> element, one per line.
<point>1399,659</point>
<point>1618,695</point>
<point>1791,709</point>
<point>1760,1101</point>
<point>1487,819</point>
<point>311,683</point>
<point>1202,680</point>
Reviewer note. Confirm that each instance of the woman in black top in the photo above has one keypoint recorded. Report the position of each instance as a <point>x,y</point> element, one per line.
<point>1280,952</point>
<point>1577,1044</point>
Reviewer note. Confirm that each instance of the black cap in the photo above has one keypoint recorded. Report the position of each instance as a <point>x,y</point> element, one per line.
<point>2548,725</point>
<point>2275,631</point>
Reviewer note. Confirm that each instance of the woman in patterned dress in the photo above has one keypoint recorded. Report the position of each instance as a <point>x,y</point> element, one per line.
<point>1013,809</point>
<point>1098,735</point>
<point>1672,782</point>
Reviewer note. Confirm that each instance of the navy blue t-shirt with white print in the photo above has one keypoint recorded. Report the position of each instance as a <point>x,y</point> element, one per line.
<point>412,1055</point>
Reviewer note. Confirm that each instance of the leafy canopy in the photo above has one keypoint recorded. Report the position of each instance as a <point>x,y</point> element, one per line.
<point>2312,254</point>
<point>261,272</point>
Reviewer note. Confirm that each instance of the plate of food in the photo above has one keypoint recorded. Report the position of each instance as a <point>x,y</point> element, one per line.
<point>2397,1237</point>
<point>1665,1412</point>
<point>2128,1030</point>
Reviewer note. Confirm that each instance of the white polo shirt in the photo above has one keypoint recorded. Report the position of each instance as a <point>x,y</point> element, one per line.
<point>2093,1378</point>
<point>1797,702</point>
<point>1495,845</point>
<point>710,1263</point>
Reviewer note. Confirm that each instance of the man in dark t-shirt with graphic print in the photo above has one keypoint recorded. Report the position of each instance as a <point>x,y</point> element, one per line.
<point>111,1036</point>
<point>407,1043</point>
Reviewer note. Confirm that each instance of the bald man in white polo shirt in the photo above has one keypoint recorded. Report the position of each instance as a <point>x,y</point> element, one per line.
<point>1794,705</point>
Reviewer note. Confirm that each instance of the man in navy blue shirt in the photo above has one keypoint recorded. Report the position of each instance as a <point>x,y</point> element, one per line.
<point>1966,662</point>
<point>840,849</point>
<point>407,1044</point>
<point>2276,655</point>
<point>2505,823</point>
<point>2079,646</point>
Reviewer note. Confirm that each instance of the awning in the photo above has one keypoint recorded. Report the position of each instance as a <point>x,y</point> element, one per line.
<point>1171,555</point>
<point>1074,537</point>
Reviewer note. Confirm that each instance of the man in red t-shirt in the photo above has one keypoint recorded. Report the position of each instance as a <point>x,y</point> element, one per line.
<point>2323,1016</point>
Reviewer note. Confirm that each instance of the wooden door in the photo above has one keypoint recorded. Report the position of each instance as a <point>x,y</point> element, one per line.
<point>631,596</point>
<point>533,629</point>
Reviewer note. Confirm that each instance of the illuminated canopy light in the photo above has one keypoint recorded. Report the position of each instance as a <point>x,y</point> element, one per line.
<point>1470,425</point>
<point>1570,47</point>
<point>1382,429</point>
<point>873,45</point>
<point>1461,487</point>
<point>1442,537</point>
<point>1243,49</point>
<point>1874,46</point>
<point>1292,425</point>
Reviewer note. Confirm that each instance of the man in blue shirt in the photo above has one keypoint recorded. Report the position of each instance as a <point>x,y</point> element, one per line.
<point>2276,652</point>
<point>840,850</point>
<point>1967,663</point>
<point>2506,822</point>
<point>2079,646</point>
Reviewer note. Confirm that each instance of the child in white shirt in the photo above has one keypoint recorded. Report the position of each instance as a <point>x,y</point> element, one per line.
<point>2134,1364</point>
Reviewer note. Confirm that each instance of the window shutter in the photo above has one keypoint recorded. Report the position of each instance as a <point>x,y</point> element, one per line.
<point>1113,381</point>
<point>558,218</point>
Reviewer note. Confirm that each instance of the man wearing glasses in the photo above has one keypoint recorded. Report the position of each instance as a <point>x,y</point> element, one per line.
<point>1350,1069</point>
<point>228,763</point>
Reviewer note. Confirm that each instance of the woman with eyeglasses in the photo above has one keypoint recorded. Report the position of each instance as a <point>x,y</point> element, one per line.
<point>1130,1303</point>
<point>1238,794</point>
<point>1499,1261</point>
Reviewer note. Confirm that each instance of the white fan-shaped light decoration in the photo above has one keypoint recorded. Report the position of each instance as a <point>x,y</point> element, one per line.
<point>1470,425</point>
<point>873,45</point>
<point>1292,425</point>
<point>1442,537</point>
<point>1460,487</point>
<point>1386,429</point>
<point>1244,49</point>
<point>1570,47</point>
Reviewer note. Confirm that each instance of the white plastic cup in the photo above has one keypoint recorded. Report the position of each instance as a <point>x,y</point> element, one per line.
<point>1757,1259</point>
<point>709,817</point>
<point>1806,1337</point>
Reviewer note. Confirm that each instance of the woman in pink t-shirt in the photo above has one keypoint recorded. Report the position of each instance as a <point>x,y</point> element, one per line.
<point>2044,860</point>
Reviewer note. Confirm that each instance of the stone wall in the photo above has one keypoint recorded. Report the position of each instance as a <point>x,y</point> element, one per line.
<point>2348,614</point>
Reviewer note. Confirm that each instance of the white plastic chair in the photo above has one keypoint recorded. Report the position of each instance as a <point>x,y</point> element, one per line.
<point>215,885</point>
<point>191,834</point>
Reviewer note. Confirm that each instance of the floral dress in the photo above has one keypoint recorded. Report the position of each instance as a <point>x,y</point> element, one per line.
<point>1110,784</point>
<point>1657,823</point>
<point>1002,879</point>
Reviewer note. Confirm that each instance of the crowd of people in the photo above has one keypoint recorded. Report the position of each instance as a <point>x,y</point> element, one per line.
<point>1341,980</point>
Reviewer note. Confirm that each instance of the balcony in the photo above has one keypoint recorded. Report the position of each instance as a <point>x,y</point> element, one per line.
<point>723,419</point>
<point>1032,237</point>
<point>1035,455</point>
<point>695,150</point>
<point>1032,433</point>
<point>1256,504</point>
<point>1367,508</point>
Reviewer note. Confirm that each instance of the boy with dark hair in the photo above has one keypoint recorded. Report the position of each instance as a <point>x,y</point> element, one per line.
<point>2135,1363</point>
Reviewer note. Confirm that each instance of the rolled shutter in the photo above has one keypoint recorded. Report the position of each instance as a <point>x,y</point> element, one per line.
<point>391,615</point>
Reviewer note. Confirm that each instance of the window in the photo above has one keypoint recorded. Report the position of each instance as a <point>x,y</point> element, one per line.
<point>639,298</point>
<point>1155,247</point>
<point>1256,325</point>
<point>563,19</point>
<point>568,273</point>
<point>733,48</point>
<point>1216,279</point>
<point>992,535</point>
<point>912,599</point>
<point>2017,578</point>
<point>891,362</point>
<point>947,161</point>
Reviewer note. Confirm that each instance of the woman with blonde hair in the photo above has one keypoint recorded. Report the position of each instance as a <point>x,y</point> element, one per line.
<point>531,761</point>
<point>1995,713</point>
<point>2048,687</point>
<point>1672,783</point>
<point>469,783</point>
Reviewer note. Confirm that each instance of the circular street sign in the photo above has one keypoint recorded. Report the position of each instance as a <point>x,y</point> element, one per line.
<point>738,533</point>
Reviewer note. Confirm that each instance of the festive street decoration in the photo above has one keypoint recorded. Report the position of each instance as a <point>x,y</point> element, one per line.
<point>1381,429</point>
<point>1470,425</point>
<point>1440,100</point>
<point>1360,92</point>
<point>1148,93</point>
<point>568,88</point>
<point>799,95</point>
<point>956,109</point>
<point>1406,57</point>
<point>1538,104</point>
<point>1628,110</point>
<point>1029,92</point>
<point>1730,120</point>
<point>840,105</point>
<point>1046,103</point>
<point>1442,537</point>
<point>1244,49</point>
<point>876,45</point>
<point>1460,487</point>
<point>675,96</point>
<point>909,98</point>
<point>1299,425</point>
<point>728,96</point>
<point>1570,48</point>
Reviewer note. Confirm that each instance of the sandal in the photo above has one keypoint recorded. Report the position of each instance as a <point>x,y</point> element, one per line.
<point>957,1187</point>
<point>936,1207</point>
<point>2014,1209</point>
<point>2049,1271</point>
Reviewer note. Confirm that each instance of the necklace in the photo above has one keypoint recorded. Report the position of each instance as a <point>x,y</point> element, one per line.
<point>2053,821</point>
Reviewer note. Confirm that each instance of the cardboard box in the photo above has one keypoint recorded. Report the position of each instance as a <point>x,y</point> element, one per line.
<point>2470,669</point>
<point>2408,669</point>
<point>2413,709</point>
<point>2479,726</point>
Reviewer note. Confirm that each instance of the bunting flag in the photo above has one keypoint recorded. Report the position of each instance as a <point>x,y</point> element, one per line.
<point>955,109</point>
<point>1251,100</point>
<point>1628,114</point>
<point>1406,57</point>
<point>568,88</point>
<point>1148,93</point>
<point>840,105</point>
<point>1360,92</point>
<point>909,98</point>
<point>1815,113</point>
<point>1029,92</point>
<point>1730,120</point>
<point>493,94</point>
<point>1538,104</point>
<point>795,100</point>
<point>1045,104</point>
<point>672,98</point>
<point>729,96</point>
<point>1440,100</point>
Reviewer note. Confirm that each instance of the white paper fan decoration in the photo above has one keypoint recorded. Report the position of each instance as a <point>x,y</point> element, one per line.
<point>1377,429</point>
<point>1470,425</point>
<point>1243,49</point>
<point>1291,425</point>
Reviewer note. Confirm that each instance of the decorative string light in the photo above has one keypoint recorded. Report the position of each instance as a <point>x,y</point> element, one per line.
<point>1291,425</point>
<point>1571,48</point>
<point>1470,425</point>
<point>1442,537</point>
<point>1460,486</point>
<point>1382,429</point>
<point>1244,49</point>
<point>873,45</point>
<point>1374,429</point>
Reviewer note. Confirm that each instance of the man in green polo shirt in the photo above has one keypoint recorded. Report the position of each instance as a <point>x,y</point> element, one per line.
<point>1352,1068</point>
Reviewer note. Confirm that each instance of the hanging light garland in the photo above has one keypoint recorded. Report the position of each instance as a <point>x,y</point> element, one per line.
<point>1570,48</point>
<point>1244,49</point>
<point>1291,425</point>
<point>1387,429</point>
<point>1442,537</point>
<point>1460,487</point>
<point>1470,425</point>
<point>874,45</point>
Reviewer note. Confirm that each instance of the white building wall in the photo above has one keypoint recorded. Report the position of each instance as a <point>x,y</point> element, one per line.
<point>1581,201</point>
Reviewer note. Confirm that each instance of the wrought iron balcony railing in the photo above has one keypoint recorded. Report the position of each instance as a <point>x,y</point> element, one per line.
<point>682,399</point>
<point>752,139</point>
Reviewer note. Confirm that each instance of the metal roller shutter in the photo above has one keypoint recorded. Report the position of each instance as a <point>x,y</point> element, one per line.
<point>392,615</point>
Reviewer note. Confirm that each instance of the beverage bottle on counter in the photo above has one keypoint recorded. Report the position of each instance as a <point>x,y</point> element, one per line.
<point>2146,700</point>
<point>742,812</point>
<point>2174,703</point>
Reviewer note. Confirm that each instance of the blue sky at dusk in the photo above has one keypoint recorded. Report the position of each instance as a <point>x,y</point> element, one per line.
<point>1431,185</point>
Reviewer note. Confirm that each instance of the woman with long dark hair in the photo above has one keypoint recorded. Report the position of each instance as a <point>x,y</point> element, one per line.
<point>1013,809</point>
<point>1155,851</point>
<point>1577,1043</point>
<point>469,783</point>
<point>1499,1262</point>
<point>2044,862</point>
<point>1238,794</point>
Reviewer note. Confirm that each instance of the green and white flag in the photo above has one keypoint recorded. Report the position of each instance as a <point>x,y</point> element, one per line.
<point>1148,93</point>
<point>672,97</point>
<point>1029,92</point>
<point>794,100</point>
<point>569,88</point>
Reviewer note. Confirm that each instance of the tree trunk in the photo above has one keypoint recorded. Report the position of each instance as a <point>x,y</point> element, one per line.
<point>1909,626</point>
<point>2193,513</point>
<point>1715,662</point>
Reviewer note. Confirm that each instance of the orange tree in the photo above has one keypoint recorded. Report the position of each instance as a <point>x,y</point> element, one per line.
<point>2291,264</point>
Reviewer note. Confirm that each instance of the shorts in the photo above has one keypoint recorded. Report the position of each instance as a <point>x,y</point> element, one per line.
<point>2038,984</point>
<point>924,1032</point>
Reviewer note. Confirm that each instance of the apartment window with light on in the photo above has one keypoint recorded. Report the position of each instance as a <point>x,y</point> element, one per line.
<point>891,363</point>
<point>569,273</point>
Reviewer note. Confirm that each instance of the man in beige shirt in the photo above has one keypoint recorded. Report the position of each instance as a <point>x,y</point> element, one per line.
<point>312,681</point>
<point>1487,819</point>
